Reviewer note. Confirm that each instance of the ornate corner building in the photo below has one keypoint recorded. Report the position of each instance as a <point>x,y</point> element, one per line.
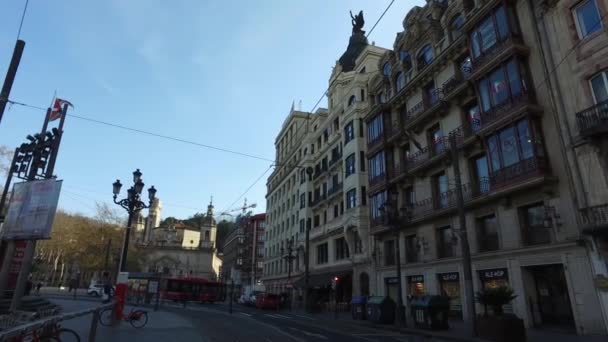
<point>479,81</point>
<point>516,92</point>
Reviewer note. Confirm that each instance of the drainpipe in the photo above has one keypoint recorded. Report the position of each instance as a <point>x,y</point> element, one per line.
<point>560,116</point>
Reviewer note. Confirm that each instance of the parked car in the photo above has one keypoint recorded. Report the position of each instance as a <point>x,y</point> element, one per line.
<point>96,290</point>
<point>268,301</point>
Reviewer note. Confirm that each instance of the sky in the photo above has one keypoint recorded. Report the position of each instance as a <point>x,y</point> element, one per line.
<point>218,73</point>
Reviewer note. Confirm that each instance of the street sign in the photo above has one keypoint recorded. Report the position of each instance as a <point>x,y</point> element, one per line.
<point>123,278</point>
<point>32,210</point>
<point>152,286</point>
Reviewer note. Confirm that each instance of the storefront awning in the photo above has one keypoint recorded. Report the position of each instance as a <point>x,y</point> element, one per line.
<point>321,279</point>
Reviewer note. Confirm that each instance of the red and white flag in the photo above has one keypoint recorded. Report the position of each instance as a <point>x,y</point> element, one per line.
<point>56,111</point>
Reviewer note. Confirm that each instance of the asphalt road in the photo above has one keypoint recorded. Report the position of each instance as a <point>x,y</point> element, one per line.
<point>215,323</point>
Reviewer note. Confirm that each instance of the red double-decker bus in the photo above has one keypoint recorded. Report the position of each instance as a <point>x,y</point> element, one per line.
<point>191,289</point>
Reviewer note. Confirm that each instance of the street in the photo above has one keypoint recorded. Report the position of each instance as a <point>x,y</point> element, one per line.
<point>214,322</point>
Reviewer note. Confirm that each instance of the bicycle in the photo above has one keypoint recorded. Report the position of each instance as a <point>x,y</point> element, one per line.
<point>137,318</point>
<point>49,332</point>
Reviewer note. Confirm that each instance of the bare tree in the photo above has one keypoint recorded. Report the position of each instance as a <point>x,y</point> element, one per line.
<point>6,154</point>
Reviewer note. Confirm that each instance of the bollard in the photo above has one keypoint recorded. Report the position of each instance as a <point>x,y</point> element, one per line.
<point>93,329</point>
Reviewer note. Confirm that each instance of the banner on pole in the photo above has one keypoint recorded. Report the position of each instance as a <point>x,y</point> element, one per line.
<point>31,210</point>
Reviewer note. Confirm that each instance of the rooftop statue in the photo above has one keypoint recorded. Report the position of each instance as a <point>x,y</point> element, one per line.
<point>357,22</point>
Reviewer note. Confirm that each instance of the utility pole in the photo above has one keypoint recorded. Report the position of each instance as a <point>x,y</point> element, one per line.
<point>306,263</point>
<point>464,240</point>
<point>10,75</point>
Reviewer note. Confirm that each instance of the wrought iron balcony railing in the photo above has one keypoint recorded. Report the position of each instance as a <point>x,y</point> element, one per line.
<point>593,120</point>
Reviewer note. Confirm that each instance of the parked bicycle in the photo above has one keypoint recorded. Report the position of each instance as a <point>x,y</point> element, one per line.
<point>137,318</point>
<point>50,332</point>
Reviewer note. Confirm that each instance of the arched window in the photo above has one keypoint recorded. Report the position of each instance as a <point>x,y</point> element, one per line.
<point>456,26</point>
<point>387,69</point>
<point>400,81</point>
<point>425,56</point>
<point>352,100</point>
<point>405,59</point>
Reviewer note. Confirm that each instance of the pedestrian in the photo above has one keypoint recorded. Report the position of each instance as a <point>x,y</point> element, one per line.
<point>28,287</point>
<point>38,286</point>
<point>107,288</point>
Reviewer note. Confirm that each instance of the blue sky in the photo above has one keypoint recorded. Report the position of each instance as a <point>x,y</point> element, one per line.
<point>222,73</point>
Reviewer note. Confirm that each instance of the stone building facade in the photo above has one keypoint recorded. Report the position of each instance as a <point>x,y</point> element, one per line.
<point>178,250</point>
<point>468,80</point>
<point>243,251</point>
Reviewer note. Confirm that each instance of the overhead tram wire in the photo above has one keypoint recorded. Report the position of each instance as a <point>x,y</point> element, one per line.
<point>158,135</point>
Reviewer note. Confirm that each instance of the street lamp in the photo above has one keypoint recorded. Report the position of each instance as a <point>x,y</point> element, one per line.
<point>394,220</point>
<point>289,257</point>
<point>132,204</point>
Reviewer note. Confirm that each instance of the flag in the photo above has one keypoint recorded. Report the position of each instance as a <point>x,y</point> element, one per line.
<point>57,108</point>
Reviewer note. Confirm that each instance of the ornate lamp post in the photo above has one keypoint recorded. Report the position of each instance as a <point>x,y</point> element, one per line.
<point>132,204</point>
<point>289,257</point>
<point>394,220</point>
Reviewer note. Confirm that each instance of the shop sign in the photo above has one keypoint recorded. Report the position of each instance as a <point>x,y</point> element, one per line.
<point>452,276</point>
<point>416,279</point>
<point>497,273</point>
<point>391,280</point>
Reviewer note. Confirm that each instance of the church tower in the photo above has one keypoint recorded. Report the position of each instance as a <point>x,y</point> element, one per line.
<point>153,219</point>
<point>208,228</point>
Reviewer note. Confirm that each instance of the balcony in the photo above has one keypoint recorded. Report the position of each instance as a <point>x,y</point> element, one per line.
<point>335,158</point>
<point>399,172</point>
<point>374,144</point>
<point>595,219</point>
<point>432,104</point>
<point>336,189</point>
<point>498,53</point>
<point>593,121</point>
<point>453,86</point>
<point>416,110</point>
<point>509,110</point>
<point>394,132</point>
<point>426,156</point>
<point>506,179</point>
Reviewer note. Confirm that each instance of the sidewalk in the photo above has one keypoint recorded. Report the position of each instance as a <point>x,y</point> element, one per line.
<point>162,326</point>
<point>458,329</point>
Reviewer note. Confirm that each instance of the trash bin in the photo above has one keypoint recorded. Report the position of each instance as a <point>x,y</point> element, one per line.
<point>358,307</point>
<point>431,312</point>
<point>381,310</point>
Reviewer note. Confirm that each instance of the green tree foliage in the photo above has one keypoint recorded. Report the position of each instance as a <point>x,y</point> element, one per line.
<point>495,298</point>
<point>80,243</point>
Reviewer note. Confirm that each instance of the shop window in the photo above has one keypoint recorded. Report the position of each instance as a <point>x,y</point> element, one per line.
<point>416,285</point>
<point>322,254</point>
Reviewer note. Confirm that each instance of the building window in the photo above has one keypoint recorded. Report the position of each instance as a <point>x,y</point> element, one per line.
<point>387,69</point>
<point>440,185</point>
<point>349,132</point>
<point>322,254</point>
<point>377,166</point>
<point>425,56</point>
<point>482,174</point>
<point>445,246</point>
<point>533,225</point>
<point>341,249</point>
<point>303,201</point>
<point>317,220</point>
<point>512,145</point>
<point>495,28</point>
<point>431,93</point>
<point>389,253</point>
<point>375,128</point>
<point>435,135</point>
<point>302,225</point>
<point>599,85</point>
<point>302,176</point>
<point>349,165</point>
<point>377,203</point>
<point>474,117</point>
<point>588,19</point>
<point>411,249</point>
<point>352,100</point>
<point>351,198</point>
<point>400,81</point>
<point>363,196</point>
<point>362,161</point>
<point>406,60</point>
<point>487,233</point>
<point>456,26</point>
<point>505,82</point>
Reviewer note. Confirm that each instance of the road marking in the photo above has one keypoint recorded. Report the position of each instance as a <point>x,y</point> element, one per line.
<point>309,333</point>
<point>302,316</point>
<point>246,314</point>
<point>282,316</point>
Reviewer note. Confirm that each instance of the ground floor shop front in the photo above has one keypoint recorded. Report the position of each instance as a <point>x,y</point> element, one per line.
<point>554,285</point>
